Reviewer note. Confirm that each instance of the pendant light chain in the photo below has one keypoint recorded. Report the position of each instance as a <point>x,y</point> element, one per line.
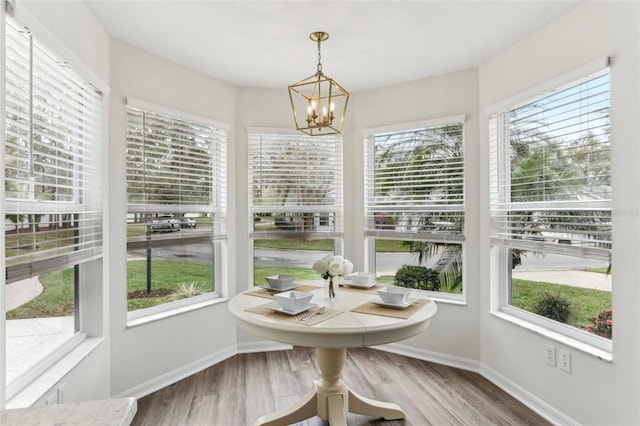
<point>319,58</point>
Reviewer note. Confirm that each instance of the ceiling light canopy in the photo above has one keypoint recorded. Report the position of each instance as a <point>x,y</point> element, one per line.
<point>319,103</point>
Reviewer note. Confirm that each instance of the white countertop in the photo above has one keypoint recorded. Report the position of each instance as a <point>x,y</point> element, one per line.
<point>107,412</point>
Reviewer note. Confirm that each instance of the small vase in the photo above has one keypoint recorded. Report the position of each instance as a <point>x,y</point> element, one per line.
<point>330,289</point>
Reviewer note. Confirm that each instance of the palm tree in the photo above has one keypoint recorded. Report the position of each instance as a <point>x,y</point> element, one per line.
<point>448,265</point>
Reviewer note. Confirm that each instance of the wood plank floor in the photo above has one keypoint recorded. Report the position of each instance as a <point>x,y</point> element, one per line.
<point>240,389</point>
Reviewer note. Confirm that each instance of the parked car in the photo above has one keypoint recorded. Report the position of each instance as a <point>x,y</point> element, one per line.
<point>165,223</point>
<point>187,222</point>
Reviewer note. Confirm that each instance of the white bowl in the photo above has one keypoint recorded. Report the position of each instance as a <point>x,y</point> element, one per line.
<point>394,295</point>
<point>280,281</point>
<point>293,300</point>
<point>362,278</point>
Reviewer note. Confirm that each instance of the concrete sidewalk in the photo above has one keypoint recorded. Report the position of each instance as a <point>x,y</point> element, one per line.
<point>28,340</point>
<point>573,278</point>
<point>21,292</point>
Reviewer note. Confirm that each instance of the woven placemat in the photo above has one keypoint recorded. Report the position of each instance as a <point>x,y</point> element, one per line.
<point>373,309</point>
<point>268,294</point>
<point>309,317</point>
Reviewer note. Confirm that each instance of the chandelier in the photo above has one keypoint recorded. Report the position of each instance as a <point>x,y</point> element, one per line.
<point>318,102</point>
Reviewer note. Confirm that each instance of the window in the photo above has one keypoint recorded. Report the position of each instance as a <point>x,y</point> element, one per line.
<point>295,201</point>
<point>551,208</point>
<point>414,205</point>
<point>177,207</point>
<point>52,207</point>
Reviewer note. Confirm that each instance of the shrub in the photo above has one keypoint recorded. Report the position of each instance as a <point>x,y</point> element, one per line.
<point>186,290</point>
<point>418,277</point>
<point>602,324</point>
<point>555,306</point>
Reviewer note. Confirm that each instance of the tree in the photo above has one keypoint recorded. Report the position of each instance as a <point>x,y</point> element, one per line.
<point>449,263</point>
<point>424,170</point>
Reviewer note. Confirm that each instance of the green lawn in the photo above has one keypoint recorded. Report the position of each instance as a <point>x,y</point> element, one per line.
<point>386,246</point>
<point>301,274</point>
<point>57,297</point>
<point>391,246</point>
<point>26,241</point>
<point>320,245</point>
<point>169,275</point>
<point>586,302</point>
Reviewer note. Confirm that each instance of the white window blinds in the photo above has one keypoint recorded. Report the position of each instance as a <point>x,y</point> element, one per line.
<point>414,182</point>
<point>296,182</point>
<point>551,171</point>
<point>176,166</point>
<point>53,161</point>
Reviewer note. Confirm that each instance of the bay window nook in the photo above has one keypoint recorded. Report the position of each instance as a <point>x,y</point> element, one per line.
<point>488,161</point>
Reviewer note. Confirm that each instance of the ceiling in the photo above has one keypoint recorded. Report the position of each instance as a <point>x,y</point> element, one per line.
<point>372,44</point>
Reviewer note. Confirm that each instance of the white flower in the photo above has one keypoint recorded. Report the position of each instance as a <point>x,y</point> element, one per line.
<point>321,266</point>
<point>334,266</point>
<point>348,267</point>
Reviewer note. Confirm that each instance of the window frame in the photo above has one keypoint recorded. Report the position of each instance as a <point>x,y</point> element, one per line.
<point>337,210</point>
<point>216,236</point>
<point>500,251</point>
<point>372,235</point>
<point>85,259</point>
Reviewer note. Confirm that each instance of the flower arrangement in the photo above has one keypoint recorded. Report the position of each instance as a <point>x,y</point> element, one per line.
<point>331,266</point>
<point>602,324</point>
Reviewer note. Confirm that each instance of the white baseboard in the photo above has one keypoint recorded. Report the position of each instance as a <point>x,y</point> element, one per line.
<point>157,383</point>
<point>424,355</point>
<point>183,372</point>
<point>537,405</point>
<point>534,403</point>
<point>266,346</point>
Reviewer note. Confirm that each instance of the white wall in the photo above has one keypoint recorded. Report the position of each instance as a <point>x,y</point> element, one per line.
<point>146,352</point>
<point>596,392</point>
<point>454,331</point>
<point>71,30</point>
<point>255,108</point>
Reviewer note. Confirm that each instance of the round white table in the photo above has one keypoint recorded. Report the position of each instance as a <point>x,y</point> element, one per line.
<point>331,398</point>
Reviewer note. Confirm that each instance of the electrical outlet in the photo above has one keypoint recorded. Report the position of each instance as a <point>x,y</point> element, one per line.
<point>550,355</point>
<point>51,399</point>
<point>564,361</point>
<point>61,393</point>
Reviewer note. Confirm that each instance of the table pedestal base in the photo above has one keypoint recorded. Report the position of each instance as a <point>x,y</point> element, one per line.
<point>331,399</point>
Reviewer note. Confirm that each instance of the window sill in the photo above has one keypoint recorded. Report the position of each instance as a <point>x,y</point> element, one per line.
<point>561,338</point>
<point>458,300</point>
<point>39,387</point>
<point>146,316</point>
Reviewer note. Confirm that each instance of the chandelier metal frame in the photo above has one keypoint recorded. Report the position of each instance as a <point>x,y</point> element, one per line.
<point>318,102</point>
